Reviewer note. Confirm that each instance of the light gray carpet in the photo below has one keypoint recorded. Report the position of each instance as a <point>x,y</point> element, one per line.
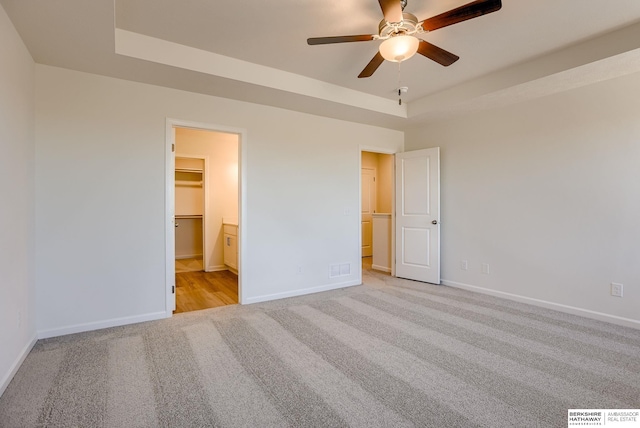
<point>392,353</point>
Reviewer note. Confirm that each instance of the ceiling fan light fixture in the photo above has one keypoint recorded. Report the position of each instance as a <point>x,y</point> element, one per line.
<point>399,48</point>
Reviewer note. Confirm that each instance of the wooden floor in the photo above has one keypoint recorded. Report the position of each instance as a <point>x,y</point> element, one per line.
<point>204,290</point>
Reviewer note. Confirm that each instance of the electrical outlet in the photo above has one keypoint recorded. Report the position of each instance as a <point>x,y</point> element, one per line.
<point>616,289</point>
<point>485,268</point>
<point>464,265</point>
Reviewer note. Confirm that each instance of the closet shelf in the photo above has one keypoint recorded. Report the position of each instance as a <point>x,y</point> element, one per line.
<point>183,216</point>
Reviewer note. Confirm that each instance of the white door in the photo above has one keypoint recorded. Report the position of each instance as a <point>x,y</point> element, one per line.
<point>368,208</point>
<point>418,215</point>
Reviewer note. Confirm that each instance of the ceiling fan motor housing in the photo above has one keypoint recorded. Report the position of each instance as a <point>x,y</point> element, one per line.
<point>408,26</point>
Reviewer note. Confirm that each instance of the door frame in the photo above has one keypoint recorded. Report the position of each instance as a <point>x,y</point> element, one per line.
<point>170,140</point>
<point>384,151</point>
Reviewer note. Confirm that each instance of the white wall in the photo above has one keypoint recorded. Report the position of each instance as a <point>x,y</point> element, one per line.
<point>100,146</point>
<point>221,151</point>
<point>548,193</point>
<point>17,293</point>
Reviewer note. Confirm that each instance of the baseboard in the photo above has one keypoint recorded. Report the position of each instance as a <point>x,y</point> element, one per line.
<point>17,363</point>
<point>216,268</point>
<point>114,322</point>
<point>613,319</point>
<point>302,292</point>
<point>188,256</point>
<point>381,268</point>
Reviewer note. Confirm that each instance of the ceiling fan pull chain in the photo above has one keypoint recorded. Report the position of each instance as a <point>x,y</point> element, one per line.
<point>399,86</point>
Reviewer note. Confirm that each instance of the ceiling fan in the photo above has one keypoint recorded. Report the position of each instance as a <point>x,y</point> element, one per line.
<point>398,32</point>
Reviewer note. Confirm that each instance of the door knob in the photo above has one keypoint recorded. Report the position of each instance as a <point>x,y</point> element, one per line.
<point>176,224</point>
<point>434,222</point>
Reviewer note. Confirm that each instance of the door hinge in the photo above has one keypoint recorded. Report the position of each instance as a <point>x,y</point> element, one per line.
<point>173,289</point>
<point>173,147</point>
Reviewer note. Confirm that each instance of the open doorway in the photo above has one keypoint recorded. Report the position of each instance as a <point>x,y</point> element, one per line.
<point>206,219</point>
<point>376,217</point>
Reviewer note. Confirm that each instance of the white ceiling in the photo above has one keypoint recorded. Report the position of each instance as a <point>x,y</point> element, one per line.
<point>527,49</point>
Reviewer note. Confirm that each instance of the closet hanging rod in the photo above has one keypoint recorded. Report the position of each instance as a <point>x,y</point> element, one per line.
<point>193,170</point>
<point>187,183</point>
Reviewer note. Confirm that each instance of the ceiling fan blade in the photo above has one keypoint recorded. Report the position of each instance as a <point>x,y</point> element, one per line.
<point>437,54</point>
<point>462,13</point>
<point>392,10</point>
<point>339,39</point>
<point>372,66</point>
